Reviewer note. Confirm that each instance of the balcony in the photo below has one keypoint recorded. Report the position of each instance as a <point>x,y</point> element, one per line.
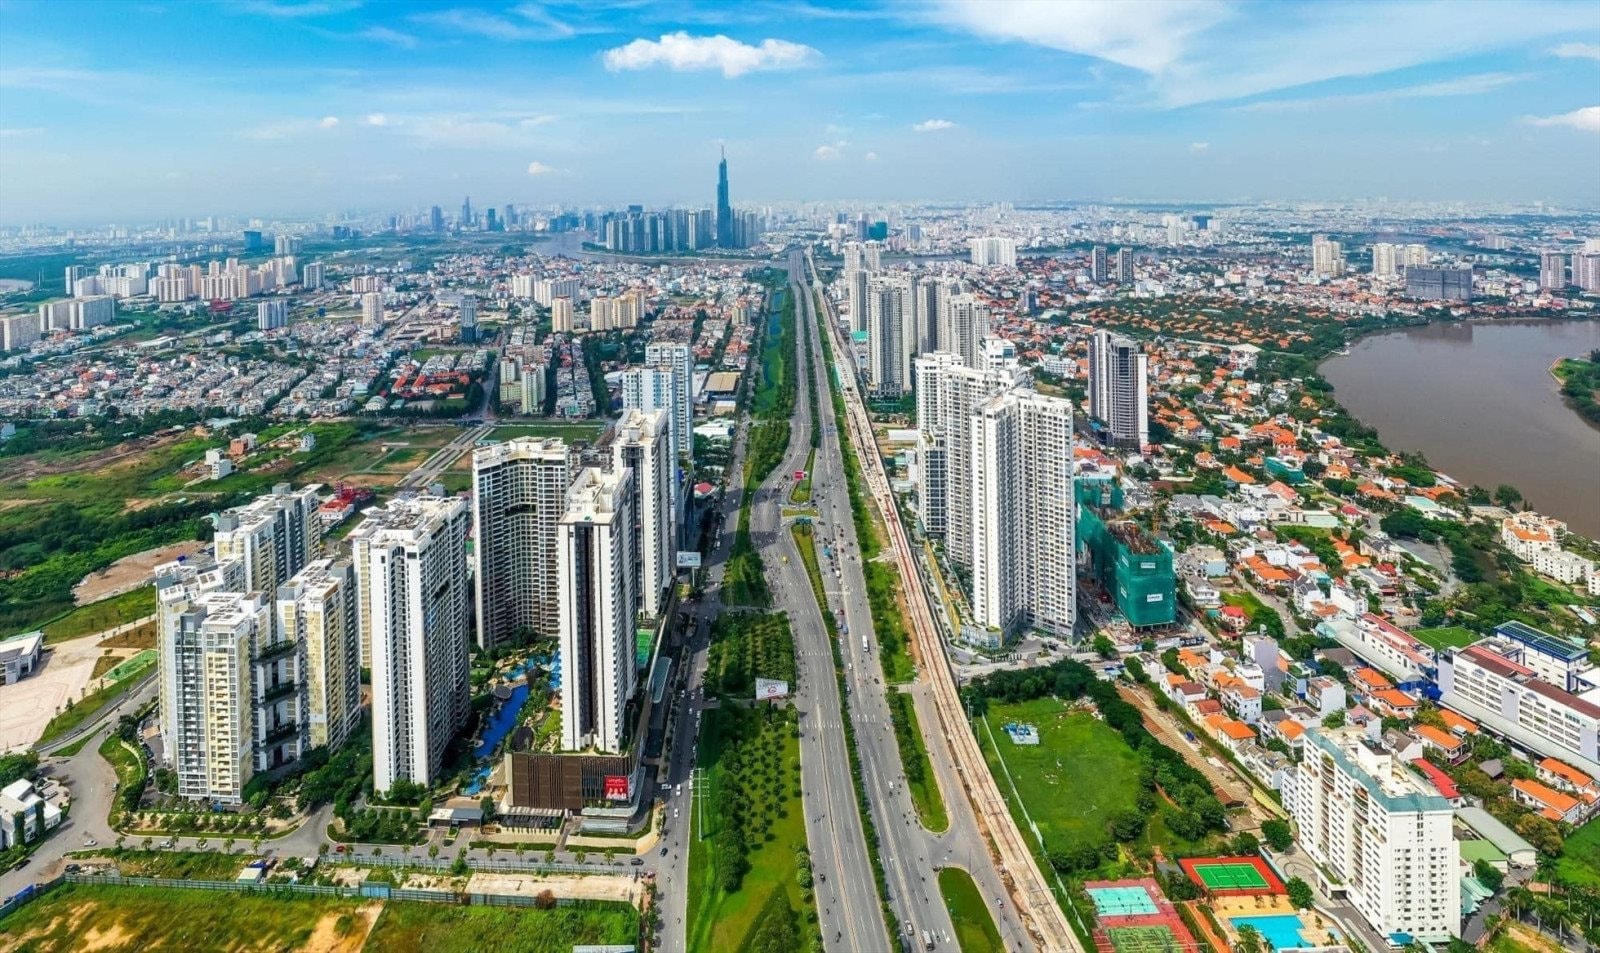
<point>282,733</point>
<point>280,690</point>
<point>276,650</point>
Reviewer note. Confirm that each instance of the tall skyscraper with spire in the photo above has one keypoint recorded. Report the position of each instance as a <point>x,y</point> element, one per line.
<point>725,229</point>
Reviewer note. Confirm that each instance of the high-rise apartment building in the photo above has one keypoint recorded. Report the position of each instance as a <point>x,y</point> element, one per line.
<point>1552,270</point>
<point>597,583</point>
<point>1586,271</point>
<point>17,331</point>
<point>994,251</point>
<point>1119,388</point>
<point>1388,260</point>
<point>1327,257</point>
<point>679,360</point>
<point>271,314</point>
<point>561,315</point>
<point>372,309</point>
<point>519,491</point>
<point>1125,266</point>
<point>1439,284</point>
<point>274,536</point>
<point>948,391</point>
<point>1023,548</point>
<point>1099,268</point>
<point>317,616</point>
<point>469,318</point>
<point>964,324</point>
<point>411,572</point>
<point>1382,831</point>
<point>311,276</point>
<point>641,444</point>
<point>889,337</point>
<point>207,698</point>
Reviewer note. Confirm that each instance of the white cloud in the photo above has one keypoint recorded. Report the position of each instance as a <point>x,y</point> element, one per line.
<point>1474,85</point>
<point>1199,146</point>
<point>871,157</point>
<point>934,125</point>
<point>376,119</point>
<point>681,52</point>
<point>539,168</point>
<point>1197,51</point>
<point>328,122</point>
<point>291,11</point>
<point>383,34</point>
<point>1577,51</point>
<point>478,23</point>
<point>290,128</point>
<point>1586,119</point>
<point>827,153</point>
<point>13,132</point>
<point>533,122</point>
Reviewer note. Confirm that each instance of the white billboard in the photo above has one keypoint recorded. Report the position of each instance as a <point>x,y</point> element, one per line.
<point>688,560</point>
<point>770,688</point>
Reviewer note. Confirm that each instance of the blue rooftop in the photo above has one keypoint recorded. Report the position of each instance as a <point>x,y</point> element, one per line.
<point>1542,642</point>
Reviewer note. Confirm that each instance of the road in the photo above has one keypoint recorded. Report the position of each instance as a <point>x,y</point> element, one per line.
<point>911,853</point>
<point>952,745</point>
<point>847,900</point>
<point>440,460</point>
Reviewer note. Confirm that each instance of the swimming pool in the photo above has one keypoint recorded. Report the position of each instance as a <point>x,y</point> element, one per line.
<point>502,721</point>
<point>1282,930</point>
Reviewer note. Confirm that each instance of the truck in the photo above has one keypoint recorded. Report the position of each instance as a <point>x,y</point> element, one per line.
<point>864,649</point>
<point>927,939</point>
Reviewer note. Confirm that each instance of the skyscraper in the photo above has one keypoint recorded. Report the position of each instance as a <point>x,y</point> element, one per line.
<point>597,582</point>
<point>1327,257</point>
<point>317,614</point>
<point>272,313</point>
<point>1125,266</point>
<point>519,491</point>
<point>1118,388</point>
<point>206,694</point>
<point>1552,270</point>
<point>436,219</point>
<point>1098,265</point>
<point>641,445</point>
<point>678,359</point>
<point>372,309</point>
<point>466,213</point>
<point>469,319</point>
<point>888,317</point>
<point>274,536</point>
<point>1023,549</point>
<point>411,570</point>
<point>725,228</point>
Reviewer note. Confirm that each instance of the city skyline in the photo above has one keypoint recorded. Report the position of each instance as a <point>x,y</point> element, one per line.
<point>292,109</point>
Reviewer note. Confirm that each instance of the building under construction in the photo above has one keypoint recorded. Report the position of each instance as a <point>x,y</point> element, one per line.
<point>1132,565</point>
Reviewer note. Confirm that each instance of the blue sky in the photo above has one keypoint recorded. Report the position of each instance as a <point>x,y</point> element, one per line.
<point>123,111</point>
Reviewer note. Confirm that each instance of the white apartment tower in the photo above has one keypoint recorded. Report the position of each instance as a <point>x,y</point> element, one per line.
<point>1327,257</point>
<point>561,314</point>
<point>1023,550</point>
<point>411,572</point>
<point>994,251</point>
<point>596,569</point>
<point>1552,270</point>
<point>206,696</point>
<point>889,332</point>
<point>274,535</point>
<point>964,325</point>
<point>678,359</point>
<point>271,314</point>
<point>317,616</point>
<point>1119,388</point>
<point>372,309</point>
<point>1382,831</point>
<point>641,445</point>
<point>519,491</point>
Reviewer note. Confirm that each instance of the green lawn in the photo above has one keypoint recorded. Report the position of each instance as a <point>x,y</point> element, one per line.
<point>184,864</point>
<point>102,615</point>
<point>1450,636</point>
<point>1579,863</point>
<point>92,704</point>
<point>1080,773</point>
<point>769,892</point>
<point>129,764</point>
<point>975,929</point>
<point>919,771</point>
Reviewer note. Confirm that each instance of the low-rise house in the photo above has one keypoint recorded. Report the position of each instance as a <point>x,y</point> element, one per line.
<point>1393,703</point>
<point>24,815</point>
<point>1447,743</point>
<point>1564,777</point>
<point>1550,803</point>
<point>1325,694</point>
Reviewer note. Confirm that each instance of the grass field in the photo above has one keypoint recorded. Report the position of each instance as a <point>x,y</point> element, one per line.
<point>183,864</point>
<point>82,916</point>
<point>132,771</point>
<point>102,615</point>
<point>975,929</point>
<point>91,705</point>
<point>770,889</point>
<point>1579,863</point>
<point>1079,774</point>
<point>1450,636</point>
<point>914,751</point>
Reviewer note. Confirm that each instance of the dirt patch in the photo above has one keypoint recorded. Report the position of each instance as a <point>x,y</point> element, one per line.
<point>625,889</point>
<point>130,572</point>
<point>138,638</point>
<point>108,939</point>
<point>343,931</point>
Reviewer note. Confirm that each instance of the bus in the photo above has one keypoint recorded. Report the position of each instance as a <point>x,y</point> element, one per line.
<point>864,649</point>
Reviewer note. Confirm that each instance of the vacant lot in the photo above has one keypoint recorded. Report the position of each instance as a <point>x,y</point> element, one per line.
<point>103,615</point>
<point>112,918</point>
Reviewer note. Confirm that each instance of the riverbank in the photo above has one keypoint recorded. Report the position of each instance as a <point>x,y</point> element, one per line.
<point>1578,380</point>
<point>1471,398</point>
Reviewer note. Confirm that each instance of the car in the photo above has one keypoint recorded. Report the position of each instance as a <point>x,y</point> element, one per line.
<point>636,862</point>
<point>73,868</point>
<point>338,848</point>
<point>663,852</point>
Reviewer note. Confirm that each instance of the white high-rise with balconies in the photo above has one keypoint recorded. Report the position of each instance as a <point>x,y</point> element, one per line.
<point>889,336</point>
<point>1119,395</point>
<point>1381,830</point>
<point>597,578</point>
<point>317,615</point>
<point>1023,549</point>
<point>411,572</point>
<point>207,699</point>
<point>519,492</point>
<point>994,251</point>
<point>678,359</point>
<point>274,536</point>
<point>641,445</point>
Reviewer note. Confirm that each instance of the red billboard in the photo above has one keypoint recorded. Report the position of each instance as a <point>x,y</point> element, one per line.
<point>616,787</point>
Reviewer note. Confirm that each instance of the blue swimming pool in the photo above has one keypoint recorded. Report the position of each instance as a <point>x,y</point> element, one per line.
<point>1282,930</point>
<point>502,721</point>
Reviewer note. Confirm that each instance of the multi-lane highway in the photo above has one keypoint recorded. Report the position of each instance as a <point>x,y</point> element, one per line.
<point>981,811</point>
<point>846,893</point>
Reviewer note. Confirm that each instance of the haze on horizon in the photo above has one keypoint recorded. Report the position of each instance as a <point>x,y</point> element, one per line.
<point>301,107</point>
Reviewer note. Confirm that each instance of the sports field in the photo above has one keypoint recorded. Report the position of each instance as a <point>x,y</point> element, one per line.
<point>1450,636</point>
<point>1143,940</point>
<point>1232,876</point>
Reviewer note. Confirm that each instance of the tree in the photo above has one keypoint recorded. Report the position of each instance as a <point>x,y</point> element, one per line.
<point>1277,834</point>
<point>1487,874</point>
<point>1104,647</point>
<point>1135,669</point>
<point>1507,495</point>
<point>1249,940</point>
<point>1299,893</point>
<point>1335,720</point>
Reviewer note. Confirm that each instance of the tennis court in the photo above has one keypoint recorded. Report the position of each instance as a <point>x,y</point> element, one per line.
<point>1132,901</point>
<point>1143,940</point>
<point>1232,876</point>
